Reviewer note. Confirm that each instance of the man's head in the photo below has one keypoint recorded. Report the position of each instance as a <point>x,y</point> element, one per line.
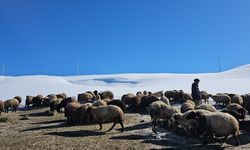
<point>196,80</point>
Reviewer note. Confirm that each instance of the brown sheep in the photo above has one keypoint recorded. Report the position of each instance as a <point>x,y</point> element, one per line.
<point>204,96</point>
<point>11,103</point>
<point>28,101</point>
<point>188,105</point>
<point>85,97</point>
<point>147,100</point>
<point>70,111</point>
<point>99,103</point>
<point>62,96</point>
<point>19,98</point>
<point>237,99</point>
<point>1,107</point>
<point>118,103</point>
<point>107,95</point>
<point>126,98</point>
<point>169,94</point>
<point>106,114</point>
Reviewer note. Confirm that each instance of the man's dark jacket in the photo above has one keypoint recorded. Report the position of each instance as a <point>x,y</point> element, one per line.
<point>196,95</point>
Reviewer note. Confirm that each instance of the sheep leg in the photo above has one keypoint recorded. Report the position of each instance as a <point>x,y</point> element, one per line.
<point>122,126</point>
<point>205,139</point>
<point>223,141</point>
<point>112,126</point>
<point>236,139</point>
<point>100,126</point>
<point>153,126</point>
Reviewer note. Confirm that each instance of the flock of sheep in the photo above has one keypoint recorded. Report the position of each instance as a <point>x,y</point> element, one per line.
<point>193,119</point>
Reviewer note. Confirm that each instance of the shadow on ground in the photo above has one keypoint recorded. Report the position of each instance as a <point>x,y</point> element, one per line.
<point>80,133</point>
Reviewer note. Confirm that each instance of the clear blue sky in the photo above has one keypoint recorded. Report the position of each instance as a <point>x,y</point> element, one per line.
<point>118,36</point>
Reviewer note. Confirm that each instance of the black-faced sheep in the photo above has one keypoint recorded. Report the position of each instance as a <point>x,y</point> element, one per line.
<point>99,103</point>
<point>236,110</point>
<point>190,126</point>
<point>106,114</point>
<point>169,94</point>
<point>207,107</point>
<point>188,105</point>
<point>1,107</point>
<point>118,103</point>
<point>11,103</point>
<point>107,95</point>
<point>217,124</point>
<point>160,110</point>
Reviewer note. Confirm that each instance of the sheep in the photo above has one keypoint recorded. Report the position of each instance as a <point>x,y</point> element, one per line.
<point>246,100</point>
<point>45,101</point>
<point>236,110</point>
<point>165,100</point>
<point>19,98</point>
<point>188,105</point>
<point>1,107</point>
<point>217,124</point>
<point>37,101</point>
<point>135,103</point>
<point>107,95</point>
<point>70,110</point>
<point>126,98</point>
<point>147,100</point>
<point>52,96</point>
<point>221,98</point>
<point>118,103</point>
<point>204,96</point>
<point>65,101</point>
<point>11,103</point>
<point>160,110</point>
<point>61,95</point>
<point>237,99</point>
<point>28,101</point>
<point>55,104</point>
<point>207,107</point>
<point>169,94</point>
<point>190,126</point>
<point>99,103</point>
<point>80,115</point>
<point>106,114</point>
<point>85,97</point>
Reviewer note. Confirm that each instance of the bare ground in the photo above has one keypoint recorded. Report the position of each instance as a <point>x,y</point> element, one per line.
<point>34,129</point>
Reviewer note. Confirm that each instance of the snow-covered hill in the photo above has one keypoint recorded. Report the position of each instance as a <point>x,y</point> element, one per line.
<point>236,80</point>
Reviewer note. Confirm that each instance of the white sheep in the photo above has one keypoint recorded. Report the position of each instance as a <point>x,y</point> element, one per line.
<point>217,124</point>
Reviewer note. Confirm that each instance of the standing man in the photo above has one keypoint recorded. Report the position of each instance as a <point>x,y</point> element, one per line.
<point>196,95</point>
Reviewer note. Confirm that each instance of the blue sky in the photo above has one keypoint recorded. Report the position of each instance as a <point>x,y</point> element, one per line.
<point>115,36</point>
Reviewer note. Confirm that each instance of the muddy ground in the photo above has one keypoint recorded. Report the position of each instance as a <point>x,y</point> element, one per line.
<point>34,129</point>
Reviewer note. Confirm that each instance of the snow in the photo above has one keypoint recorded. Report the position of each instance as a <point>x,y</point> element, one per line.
<point>236,80</point>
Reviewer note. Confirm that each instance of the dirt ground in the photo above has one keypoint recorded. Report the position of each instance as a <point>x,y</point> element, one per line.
<point>34,129</point>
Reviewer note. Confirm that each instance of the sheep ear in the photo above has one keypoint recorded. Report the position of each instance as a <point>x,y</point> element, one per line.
<point>191,115</point>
